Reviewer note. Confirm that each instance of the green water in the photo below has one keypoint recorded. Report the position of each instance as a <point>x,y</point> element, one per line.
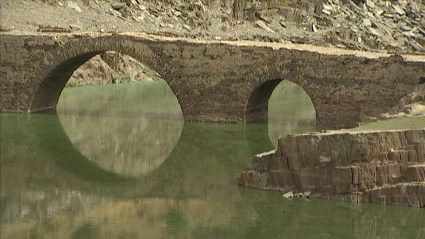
<point>118,161</point>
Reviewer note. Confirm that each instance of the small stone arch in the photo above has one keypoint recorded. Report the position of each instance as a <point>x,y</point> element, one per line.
<point>59,64</point>
<point>256,110</point>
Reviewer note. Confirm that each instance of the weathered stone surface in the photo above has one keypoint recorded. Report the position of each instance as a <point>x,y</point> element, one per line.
<point>216,81</point>
<point>386,167</point>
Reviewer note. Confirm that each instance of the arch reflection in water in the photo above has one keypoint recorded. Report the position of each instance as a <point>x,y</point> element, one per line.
<point>290,111</point>
<point>100,124</point>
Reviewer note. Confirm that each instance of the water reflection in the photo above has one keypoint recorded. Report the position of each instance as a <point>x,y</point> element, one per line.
<point>127,142</point>
<point>50,190</point>
<point>290,111</point>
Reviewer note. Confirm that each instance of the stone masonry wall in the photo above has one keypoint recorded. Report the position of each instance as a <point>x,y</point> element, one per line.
<point>216,81</point>
<point>386,167</point>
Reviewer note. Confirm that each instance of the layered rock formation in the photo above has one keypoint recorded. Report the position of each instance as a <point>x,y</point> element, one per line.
<point>385,167</point>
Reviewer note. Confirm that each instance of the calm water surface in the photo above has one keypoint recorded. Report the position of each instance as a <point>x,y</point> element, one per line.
<point>118,161</point>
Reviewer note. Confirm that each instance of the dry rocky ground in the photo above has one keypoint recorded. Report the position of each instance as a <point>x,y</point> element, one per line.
<point>373,25</point>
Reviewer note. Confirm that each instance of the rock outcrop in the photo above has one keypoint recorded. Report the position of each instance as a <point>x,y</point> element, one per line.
<point>386,167</point>
<point>112,67</point>
<point>412,104</point>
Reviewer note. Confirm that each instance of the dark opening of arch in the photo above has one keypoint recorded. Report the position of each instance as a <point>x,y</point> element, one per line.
<point>256,108</point>
<point>48,93</point>
<point>283,108</point>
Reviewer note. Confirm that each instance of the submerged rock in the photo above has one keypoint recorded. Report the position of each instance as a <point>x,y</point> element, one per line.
<point>288,195</point>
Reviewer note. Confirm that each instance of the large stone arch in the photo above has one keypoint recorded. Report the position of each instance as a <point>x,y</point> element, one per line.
<point>60,63</point>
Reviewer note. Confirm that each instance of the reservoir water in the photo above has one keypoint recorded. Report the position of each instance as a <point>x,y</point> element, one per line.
<point>118,161</point>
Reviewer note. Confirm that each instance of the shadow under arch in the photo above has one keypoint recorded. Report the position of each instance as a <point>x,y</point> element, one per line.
<point>58,66</point>
<point>64,154</point>
<point>257,106</point>
<point>261,131</point>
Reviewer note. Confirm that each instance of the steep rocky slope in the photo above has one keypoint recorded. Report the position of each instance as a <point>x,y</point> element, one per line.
<point>364,25</point>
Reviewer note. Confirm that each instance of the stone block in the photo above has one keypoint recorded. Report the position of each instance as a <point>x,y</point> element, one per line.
<point>413,155</point>
<point>406,200</point>
<point>356,174</point>
<point>415,173</point>
<point>412,201</point>
<point>420,149</point>
<point>367,175</point>
<point>342,179</point>
<point>387,174</point>
<point>421,195</point>
<point>401,156</point>
<point>297,180</point>
<point>281,163</point>
<point>354,150</point>
<point>246,178</point>
<point>327,190</point>
<point>382,176</point>
<point>374,195</point>
<point>315,177</point>
<point>348,197</point>
<point>399,190</point>
<point>387,192</point>
<point>281,179</point>
<point>383,157</point>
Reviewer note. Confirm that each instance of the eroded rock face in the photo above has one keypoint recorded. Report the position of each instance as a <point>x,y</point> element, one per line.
<point>385,167</point>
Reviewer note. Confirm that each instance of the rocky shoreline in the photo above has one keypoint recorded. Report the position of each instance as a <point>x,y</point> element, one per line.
<point>386,167</point>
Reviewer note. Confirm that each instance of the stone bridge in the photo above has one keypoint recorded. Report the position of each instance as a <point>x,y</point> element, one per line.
<point>214,80</point>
